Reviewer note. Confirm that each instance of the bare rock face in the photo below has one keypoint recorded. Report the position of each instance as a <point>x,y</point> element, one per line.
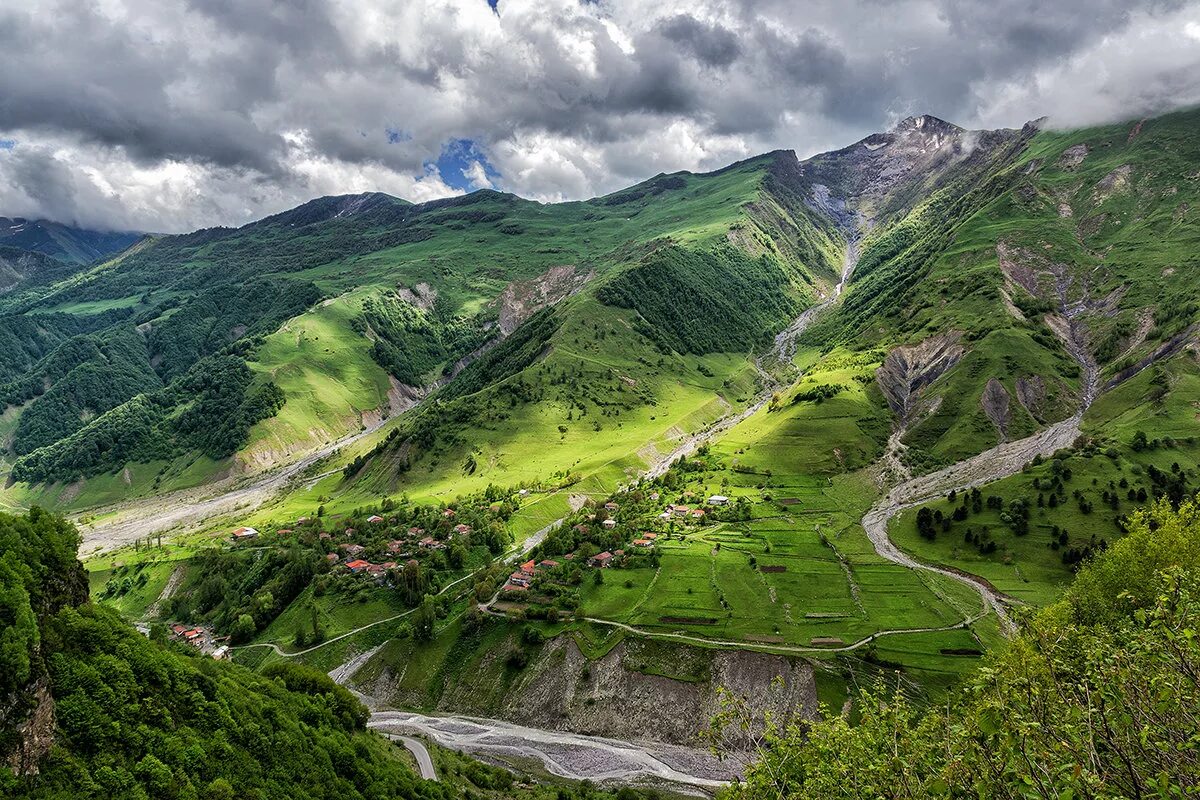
<point>881,171</point>
<point>908,369</point>
<point>520,300</point>
<point>420,295</point>
<point>610,696</point>
<point>1020,267</point>
<point>995,400</point>
<point>1072,157</point>
<point>1115,182</point>
<point>34,735</point>
<point>1031,393</point>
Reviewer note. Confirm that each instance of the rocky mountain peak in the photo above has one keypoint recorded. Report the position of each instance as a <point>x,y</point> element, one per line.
<point>926,123</point>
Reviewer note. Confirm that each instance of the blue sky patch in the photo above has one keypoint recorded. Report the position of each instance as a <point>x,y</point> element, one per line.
<point>458,157</point>
<point>7,144</point>
<point>396,136</point>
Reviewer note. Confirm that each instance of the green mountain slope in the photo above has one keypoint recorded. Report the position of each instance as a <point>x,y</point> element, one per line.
<point>1072,706</point>
<point>418,290</point>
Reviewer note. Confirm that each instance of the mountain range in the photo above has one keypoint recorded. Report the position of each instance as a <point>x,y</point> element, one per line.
<point>834,418</point>
<point>64,242</point>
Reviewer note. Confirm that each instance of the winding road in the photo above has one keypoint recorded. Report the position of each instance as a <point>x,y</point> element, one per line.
<point>1001,461</point>
<point>420,753</point>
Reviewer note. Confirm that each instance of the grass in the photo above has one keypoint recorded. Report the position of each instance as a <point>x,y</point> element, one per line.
<point>148,580</point>
<point>134,480</point>
<point>330,382</point>
<point>337,614</point>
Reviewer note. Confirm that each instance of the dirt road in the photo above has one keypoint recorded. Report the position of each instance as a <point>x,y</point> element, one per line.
<point>991,465</point>
<point>420,753</point>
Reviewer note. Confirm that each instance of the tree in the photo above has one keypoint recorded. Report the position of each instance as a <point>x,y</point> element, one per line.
<point>424,619</point>
<point>243,629</point>
<point>925,523</point>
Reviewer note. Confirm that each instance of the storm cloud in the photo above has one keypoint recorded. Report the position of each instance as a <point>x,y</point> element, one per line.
<point>169,115</point>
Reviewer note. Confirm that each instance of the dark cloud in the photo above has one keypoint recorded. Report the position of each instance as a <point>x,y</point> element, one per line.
<point>710,43</point>
<point>172,114</point>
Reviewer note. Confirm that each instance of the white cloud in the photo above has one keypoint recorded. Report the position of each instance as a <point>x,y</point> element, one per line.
<point>171,114</point>
<point>476,175</point>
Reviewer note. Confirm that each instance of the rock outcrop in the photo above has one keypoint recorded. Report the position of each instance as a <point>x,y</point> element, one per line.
<point>908,369</point>
<point>617,696</point>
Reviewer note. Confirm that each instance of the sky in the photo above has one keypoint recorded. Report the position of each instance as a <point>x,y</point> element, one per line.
<point>172,115</point>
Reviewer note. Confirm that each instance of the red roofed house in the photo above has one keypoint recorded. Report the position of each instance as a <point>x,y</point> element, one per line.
<point>416,531</point>
<point>519,579</point>
<point>448,513</point>
<point>243,533</point>
<point>642,543</point>
<point>283,531</point>
<point>649,535</point>
<point>698,513</point>
<point>461,528</point>
<point>527,567</point>
<point>358,565</point>
<point>680,510</point>
<point>602,560</point>
<point>547,564</point>
<point>333,558</point>
<point>611,506</point>
<point>395,546</point>
<point>374,518</point>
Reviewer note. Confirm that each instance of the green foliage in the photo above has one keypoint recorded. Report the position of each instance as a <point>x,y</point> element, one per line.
<point>350,713</point>
<point>506,359</point>
<point>694,301</point>
<point>209,409</point>
<point>410,343</point>
<point>140,719</point>
<point>38,576</point>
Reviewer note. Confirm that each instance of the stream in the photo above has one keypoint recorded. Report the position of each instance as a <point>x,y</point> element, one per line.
<point>567,755</point>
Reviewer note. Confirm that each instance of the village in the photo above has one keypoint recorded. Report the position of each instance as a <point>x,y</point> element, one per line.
<point>600,537</point>
<point>394,555</point>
